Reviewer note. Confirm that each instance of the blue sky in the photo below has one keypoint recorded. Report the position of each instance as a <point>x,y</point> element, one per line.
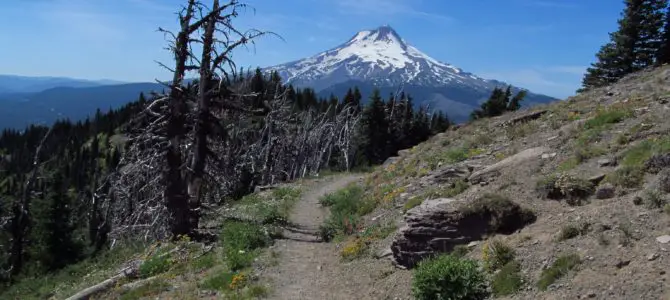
<point>542,45</point>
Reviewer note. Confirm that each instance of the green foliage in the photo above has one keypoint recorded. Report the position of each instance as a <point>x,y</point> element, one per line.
<point>205,262</point>
<point>460,251</point>
<point>654,199</point>
<point>219,282</point>
<point>156,264</point>
<point>638,154</point>
<point>498,103</point>
<point>606,117</point>
<point>633,47</point>
<point>508,281</point>
<point>413,202</point>
<point>558,269</point>
<point>240,239</point>
<point>449,277</point>
<point>626,176</point>
<point>565,186</point>
<point>572,231</point>
<point>497,254</point>
<point>346,207</point>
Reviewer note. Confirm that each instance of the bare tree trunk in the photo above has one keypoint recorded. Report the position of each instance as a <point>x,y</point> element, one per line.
<point>202,122</point>
<point>175,190</point>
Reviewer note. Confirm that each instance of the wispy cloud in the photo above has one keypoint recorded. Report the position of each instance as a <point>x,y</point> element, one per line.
<point>389,8</point>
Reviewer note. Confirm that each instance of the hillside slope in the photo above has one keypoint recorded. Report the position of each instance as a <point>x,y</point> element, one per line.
<point>593,169</point>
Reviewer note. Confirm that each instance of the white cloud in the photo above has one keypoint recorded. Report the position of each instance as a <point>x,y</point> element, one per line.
<point>557,81</point>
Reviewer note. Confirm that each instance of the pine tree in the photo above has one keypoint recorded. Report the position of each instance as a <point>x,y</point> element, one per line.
<point>515,103</point>
<point>374,130</point>
<point>663,56</point>
<point>633,47</point>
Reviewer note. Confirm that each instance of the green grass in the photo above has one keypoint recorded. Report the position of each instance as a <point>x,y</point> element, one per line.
<point>240,241</point>
<point>606,117</point>
<point>626,176</point>
<point>508,281</point>
<point>497,254</point>
<point>151,288</point>
<point>218,282</point>
<point>67,281</point>
<point>274,210</point>
<point>413,202</point>
<point>638,154</point>
<point>561,267</point>
<point>346,207</point>
<point>156,264</point>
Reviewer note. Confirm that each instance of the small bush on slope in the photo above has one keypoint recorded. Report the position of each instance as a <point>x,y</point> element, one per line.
<point>508,281</point>
<point>496,254</point>
<point>346,207</point>
<point>239,241</point>
<point>558,269</point>
<point>449,277</point>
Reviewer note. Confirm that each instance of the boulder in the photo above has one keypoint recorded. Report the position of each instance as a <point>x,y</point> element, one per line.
<point>605,191</point>
<point>519,158</point>
<point>448,174</point>
<point>657,163</point>
<point>438,225</point>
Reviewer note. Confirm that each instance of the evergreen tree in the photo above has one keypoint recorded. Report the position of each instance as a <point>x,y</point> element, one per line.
<point>60,248</point>
<point>515,103</point>
<point>663,56</point>
<point>633,47</point>
<point>374,130</point>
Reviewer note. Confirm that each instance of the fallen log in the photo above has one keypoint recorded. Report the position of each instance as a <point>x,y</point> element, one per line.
<point>105,285</point>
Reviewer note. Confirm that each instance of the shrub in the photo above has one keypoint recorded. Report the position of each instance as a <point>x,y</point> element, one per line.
<point>508,281</point>
<point>448,277</point>
<point>239,241</point>
<point>346,206</point>
<point>460,251</point>
<point>572,231</point>
<point>496,254</point>
<point>607,116</point>
<point>412,203</point>
<point>654,199</point>
<point>154,265</point>
<point>503,215</point>
<point>354,248</point>
<point>558,269</point>
<point>218,282</point>
<point>565,186</point>
<point>626,176</point>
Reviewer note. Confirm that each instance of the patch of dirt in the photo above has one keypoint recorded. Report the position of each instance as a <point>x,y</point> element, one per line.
<point>310,269</point>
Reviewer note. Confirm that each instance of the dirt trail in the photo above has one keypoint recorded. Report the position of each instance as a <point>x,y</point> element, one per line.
<point>309,269</point>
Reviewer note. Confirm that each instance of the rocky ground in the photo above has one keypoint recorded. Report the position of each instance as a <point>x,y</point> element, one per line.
<point>592,169</point>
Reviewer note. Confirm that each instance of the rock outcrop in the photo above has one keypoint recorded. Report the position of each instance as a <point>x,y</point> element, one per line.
<point>521,157</point>
<point>438,225</point>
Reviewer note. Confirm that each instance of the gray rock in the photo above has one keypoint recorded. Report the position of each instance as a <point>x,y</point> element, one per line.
<point>521,157</point>
<point>391,160</point>
<point>597,178</point>
<point>605,191</point>
<point>438,225</point>
<point>606,162</point>
<point>664,239</point>
<point>664,180</point>
<point>548,155</point>
<point>384,253</point>
<point>622,263</point>
<point>448,174</point>
<point>652,256</point>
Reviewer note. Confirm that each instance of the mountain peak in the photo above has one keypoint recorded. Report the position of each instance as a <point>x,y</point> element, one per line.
<point>384,34</point>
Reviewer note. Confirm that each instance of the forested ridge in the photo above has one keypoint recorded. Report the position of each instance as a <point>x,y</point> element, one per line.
<point>62,221</point>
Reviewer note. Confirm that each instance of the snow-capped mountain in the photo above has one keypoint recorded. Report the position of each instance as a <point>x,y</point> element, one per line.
<point>381,58</point>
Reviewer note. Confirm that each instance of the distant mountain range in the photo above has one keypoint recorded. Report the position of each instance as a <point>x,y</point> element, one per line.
<point>371,59</point>
<point>381,59</point>
<point>20,109</point>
